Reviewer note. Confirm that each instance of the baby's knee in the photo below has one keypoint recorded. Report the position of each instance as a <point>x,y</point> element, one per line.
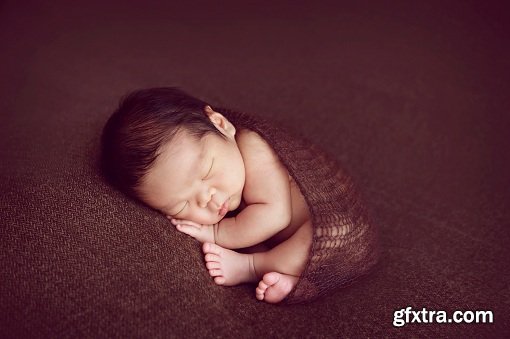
<point>305,235</point>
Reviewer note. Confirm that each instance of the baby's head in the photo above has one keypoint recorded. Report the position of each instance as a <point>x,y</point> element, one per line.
<point>175,153</point>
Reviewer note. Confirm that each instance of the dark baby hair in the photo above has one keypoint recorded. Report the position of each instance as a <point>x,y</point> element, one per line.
<point>145,120</point>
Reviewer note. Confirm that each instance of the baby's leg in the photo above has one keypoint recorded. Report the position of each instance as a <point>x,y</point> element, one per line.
<point>279,267</point>
<point>289,256</point>
<point>254,249</point>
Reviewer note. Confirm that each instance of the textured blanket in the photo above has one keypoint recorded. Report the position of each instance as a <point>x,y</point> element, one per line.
<point>344,245</point>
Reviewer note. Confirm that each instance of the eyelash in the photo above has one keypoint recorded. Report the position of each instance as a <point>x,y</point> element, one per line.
<point>210,170</point>
<point>182,209</point>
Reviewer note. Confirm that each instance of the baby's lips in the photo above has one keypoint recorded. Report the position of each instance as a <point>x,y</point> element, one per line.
<point>224,207</point>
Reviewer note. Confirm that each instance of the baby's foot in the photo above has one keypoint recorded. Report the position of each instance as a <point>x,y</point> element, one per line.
<point>228,267</point>
<point>274,287</point>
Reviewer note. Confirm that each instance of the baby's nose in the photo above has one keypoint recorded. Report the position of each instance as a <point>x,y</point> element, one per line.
<point>208,197</point>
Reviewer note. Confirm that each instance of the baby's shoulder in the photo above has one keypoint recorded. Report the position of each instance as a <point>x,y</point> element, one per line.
<point>250,141</point>
<point>247,135</point>
<point>257,153</point>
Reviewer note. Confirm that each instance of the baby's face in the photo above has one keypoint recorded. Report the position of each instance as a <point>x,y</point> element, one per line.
<point>197,180</point>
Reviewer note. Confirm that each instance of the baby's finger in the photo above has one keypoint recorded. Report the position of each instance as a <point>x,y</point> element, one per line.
<point>186,222</point>
<point>190,223</point>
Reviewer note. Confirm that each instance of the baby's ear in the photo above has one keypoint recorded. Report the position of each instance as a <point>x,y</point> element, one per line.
<point>208,110</point>
<point>221,123</point>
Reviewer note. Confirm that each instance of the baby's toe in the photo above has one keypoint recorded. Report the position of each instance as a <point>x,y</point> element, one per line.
<point>270,278</point>
<point>262,285</point>
<point>211,248</point>
<point>219,280</point>
<point>212,265</point>
<point>215,273</point>
<point>209,257</point>
<point>259,295</point>
<point>260,292</point>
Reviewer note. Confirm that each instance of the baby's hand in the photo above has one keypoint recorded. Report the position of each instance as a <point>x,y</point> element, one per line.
<point>203,233</point>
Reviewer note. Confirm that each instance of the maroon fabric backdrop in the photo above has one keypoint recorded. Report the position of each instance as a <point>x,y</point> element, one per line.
<point>411,97</point>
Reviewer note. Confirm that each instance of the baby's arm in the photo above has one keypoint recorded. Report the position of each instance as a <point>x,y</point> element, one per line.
<point>266,193</point>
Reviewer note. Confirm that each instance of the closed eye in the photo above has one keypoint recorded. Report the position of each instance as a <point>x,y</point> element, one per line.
<point>182,209</point>
<point>210,169</point>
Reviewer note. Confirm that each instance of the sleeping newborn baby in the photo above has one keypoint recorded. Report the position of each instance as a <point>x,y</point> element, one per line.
<point>179,156</point>
<point>268,207</point>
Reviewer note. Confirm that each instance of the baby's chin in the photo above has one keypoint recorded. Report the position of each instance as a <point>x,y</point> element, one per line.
<point>235,202</point>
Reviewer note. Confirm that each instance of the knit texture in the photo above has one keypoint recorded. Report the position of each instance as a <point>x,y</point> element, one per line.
<point>344,245</point>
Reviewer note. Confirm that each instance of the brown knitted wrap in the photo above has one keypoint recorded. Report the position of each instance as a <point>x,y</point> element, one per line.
<point>345,244</point>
